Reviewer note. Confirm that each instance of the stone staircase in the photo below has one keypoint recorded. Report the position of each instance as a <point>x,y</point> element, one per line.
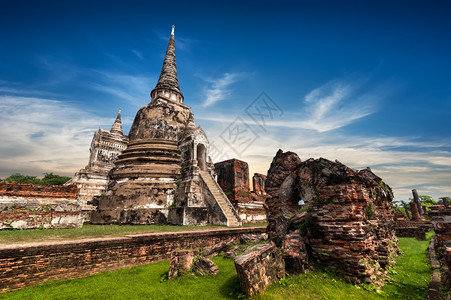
<point>233,220</point>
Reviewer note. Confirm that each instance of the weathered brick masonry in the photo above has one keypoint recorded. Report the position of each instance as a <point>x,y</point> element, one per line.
<point>233,177</point>
<point>343,216</point>
<point>26,205</point>
<point>38,191</point>
<point>25,265</point>
<point>441,220</point>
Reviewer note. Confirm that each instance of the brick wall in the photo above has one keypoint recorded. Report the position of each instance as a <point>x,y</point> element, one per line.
<point>38,191</point>
<point>441,220</point>
<point>25,265</point>
<point>27,205</point>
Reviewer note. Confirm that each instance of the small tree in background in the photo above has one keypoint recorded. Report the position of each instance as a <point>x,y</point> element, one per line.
<point>17,177</point>
<point>49,178</point>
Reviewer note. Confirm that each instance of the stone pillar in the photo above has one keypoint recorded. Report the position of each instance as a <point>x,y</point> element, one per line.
<point>417,201</point>
<point>414,209</point>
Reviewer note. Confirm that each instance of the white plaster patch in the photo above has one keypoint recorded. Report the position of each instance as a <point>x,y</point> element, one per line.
<point>260,218</point>
<point>21,224</point>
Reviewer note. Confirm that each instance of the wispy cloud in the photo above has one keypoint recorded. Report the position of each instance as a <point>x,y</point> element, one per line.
<point>138,54</point>
<point>336,104</point>
<point>219,88</point>
<point>43,135</point>
<point>131,88</point>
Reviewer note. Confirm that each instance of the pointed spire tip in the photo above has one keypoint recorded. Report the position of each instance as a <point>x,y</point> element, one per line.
<point>172,32</point>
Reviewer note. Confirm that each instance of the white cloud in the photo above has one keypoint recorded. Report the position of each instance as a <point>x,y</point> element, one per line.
<point>334,105</point>
<point>219,88</point>
<point>43,135</point>
<point>404,163</point>
<point>331,106</point>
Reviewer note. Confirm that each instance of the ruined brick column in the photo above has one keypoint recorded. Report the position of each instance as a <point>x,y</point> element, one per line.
<point>417,201</point>
<point>258,182</point>
<point>414,209</point>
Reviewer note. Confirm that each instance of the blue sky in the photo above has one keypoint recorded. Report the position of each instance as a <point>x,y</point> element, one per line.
<point>363,82</point>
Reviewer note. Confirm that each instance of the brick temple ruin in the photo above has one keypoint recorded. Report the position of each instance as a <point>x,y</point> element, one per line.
<point>164,174</point>
<point>322,211</point>
<point>233,177</point>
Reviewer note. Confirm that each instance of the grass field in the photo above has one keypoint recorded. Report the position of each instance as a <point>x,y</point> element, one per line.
<point>8,237</point>
<point>409,280</point>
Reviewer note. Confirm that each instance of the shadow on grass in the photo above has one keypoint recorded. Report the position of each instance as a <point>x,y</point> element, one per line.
<point>231,289</point>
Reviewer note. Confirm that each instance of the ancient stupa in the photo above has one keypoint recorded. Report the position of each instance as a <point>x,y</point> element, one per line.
<point>165,174</point>
<point>106,146</point>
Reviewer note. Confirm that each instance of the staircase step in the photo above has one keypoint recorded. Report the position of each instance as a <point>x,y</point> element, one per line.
<point>220,198</point>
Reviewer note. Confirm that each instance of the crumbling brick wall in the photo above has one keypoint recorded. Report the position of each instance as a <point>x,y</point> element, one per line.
<point>38,191</point>
<point>258,183</point>
<point>233,177</point>
<point>26,205</point>
<point>349,224</point>
<point>441,220</point>
<point>25,265</point>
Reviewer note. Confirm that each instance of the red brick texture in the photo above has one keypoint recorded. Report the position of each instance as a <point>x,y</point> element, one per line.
<point>38,191</point>
<point>25,265</point>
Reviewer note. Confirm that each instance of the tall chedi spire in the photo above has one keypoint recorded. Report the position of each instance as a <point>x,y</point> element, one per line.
<point>157,178</point>
<point>117,126</point>
<point>168,83</point>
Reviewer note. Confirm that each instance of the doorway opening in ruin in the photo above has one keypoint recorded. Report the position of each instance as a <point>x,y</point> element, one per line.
<point>201,157</point>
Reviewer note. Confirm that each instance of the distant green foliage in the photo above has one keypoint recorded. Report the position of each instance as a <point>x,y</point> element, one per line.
<point>17,177</point>
<point>401,210</point>
<point>49,178</point>
<point>426,200</point>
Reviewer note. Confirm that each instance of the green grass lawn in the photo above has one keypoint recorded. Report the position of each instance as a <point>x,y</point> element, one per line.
<point>409,281</point>
<point>93,231</point>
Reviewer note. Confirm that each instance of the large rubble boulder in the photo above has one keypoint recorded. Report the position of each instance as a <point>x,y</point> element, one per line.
<point>181,262</point>
<point>189,261</point>
<point>341,217</point>
<point>258,267</point>
<point>204,266</point>
<point>295,253</point>
<point>218,248</point>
